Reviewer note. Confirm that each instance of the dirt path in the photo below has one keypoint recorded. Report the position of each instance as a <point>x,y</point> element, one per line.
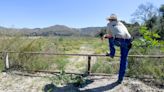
<point>79,63</point>
<point>18,83</point>
<point>108,84</point>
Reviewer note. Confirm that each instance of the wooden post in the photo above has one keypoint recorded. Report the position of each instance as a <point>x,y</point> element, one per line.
<point>89,65</point>
<point>6,61</point>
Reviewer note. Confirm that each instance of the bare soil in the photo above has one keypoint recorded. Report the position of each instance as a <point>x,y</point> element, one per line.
<point>11,82</point>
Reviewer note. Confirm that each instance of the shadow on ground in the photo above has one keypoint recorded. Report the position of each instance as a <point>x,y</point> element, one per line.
<point>103,88</point>
<point>73,87</point>
<point>68,88</point>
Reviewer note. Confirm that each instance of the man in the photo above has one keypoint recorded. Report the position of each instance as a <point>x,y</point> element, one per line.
<point>118,35</point>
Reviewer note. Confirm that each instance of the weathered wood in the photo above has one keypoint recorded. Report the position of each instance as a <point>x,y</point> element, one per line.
<point>58,72</point>
<point>52,72</point>
<point>6,61</point>
<point>89,65</point>
<point>96,55</point>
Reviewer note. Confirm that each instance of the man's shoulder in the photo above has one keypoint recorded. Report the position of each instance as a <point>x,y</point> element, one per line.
<point>120,23</point>
<point>109,23</point>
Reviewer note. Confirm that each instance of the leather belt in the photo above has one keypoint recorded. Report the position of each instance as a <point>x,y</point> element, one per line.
<point>118,37</point>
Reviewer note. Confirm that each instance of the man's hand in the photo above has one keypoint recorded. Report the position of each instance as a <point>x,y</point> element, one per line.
<point>107,36</point>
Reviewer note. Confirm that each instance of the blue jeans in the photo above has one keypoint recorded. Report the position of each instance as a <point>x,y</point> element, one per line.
<point>124,48</point>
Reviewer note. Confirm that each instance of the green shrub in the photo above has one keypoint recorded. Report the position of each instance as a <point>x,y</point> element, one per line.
<point>102,66</point>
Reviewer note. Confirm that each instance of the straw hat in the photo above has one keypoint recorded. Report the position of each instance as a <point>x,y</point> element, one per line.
<point>112,17</point>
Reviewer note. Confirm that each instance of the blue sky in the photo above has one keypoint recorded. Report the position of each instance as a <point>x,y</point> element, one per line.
<point>72,13</point>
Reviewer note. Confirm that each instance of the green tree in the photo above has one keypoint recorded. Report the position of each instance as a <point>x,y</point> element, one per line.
<point>161,9</point>
<point>160,28</point>
<point>151,23</point>
<point>148,38</point>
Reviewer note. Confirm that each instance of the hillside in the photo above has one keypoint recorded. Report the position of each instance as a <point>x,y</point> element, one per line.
<point>56,30</point>
<point>90,31</point>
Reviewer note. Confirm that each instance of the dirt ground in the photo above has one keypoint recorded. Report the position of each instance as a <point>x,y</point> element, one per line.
<point>11,82</point>
<point>78,64</point>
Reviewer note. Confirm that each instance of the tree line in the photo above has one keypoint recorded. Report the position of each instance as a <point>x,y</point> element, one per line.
<point>146,15</point>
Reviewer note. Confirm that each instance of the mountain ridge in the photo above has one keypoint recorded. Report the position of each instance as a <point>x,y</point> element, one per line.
<point>55,30</point>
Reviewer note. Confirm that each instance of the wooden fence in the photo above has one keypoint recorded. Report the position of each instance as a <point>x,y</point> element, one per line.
<point>7,62</point>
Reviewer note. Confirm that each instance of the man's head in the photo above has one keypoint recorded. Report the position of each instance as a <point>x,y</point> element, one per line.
<point>112,17</point>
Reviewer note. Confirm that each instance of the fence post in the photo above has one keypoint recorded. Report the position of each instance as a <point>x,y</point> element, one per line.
<point>89,65</point>
<point>6,61</point>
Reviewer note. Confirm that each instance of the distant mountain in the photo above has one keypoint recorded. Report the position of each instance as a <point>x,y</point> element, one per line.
<point>56,30</point>
<point>90,31</point>
<point>60,30</point>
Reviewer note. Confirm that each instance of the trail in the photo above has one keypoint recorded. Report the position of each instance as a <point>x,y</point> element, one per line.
<point>18,83</point>
<point>108,84</point>
<point>79,63</point>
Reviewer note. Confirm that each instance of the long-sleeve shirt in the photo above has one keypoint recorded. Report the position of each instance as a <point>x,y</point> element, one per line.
<point>118,29</point>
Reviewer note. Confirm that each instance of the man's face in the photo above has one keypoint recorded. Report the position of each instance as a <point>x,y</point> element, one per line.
<point>110,20</point>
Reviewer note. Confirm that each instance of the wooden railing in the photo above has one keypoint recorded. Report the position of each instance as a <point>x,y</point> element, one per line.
<point>7,62</point>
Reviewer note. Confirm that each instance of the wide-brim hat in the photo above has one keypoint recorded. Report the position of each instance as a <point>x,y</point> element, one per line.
<point>112,17</point>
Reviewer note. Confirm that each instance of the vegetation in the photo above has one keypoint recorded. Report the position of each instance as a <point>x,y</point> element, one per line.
<point>152,67</point>
<point>148,31</point>
<point>39,44</point>
<point>137,67</point>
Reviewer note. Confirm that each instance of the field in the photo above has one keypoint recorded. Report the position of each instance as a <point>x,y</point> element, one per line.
<point>137,68</point>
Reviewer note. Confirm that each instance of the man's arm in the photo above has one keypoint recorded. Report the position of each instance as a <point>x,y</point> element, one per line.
<point>107,36</point>
<point>109,33</point>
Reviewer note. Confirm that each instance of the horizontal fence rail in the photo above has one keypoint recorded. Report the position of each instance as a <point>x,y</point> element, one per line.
<point>95,55</point>
<point>5,56</point>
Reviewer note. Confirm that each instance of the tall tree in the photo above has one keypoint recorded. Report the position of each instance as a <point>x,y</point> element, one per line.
<point>150,23</point>
<point>161,9</point>
<point>144,12</point>
<point>161,22</point>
